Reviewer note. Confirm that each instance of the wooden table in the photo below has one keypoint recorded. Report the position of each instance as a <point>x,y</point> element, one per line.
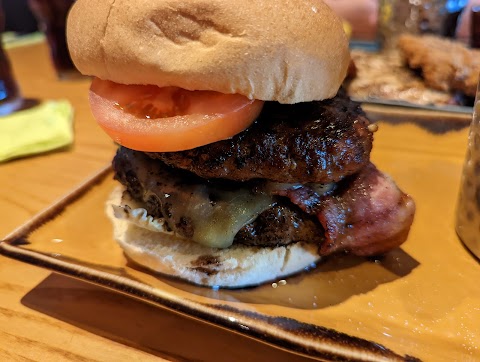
<point>49,317</point>
<point>27,186</point>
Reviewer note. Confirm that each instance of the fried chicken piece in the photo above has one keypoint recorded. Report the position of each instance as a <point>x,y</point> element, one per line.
<point>384,76</point>
<point>445,64</point>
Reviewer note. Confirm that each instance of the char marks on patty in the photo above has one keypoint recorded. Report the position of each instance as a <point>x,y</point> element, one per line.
<point>169,193</point>
<point>319,142</point>
<point>365,214</point>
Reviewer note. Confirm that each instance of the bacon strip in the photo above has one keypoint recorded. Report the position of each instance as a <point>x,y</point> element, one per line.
<point>369,216</point>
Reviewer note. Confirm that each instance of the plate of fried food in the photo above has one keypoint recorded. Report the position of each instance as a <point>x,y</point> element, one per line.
<point>425,72</point>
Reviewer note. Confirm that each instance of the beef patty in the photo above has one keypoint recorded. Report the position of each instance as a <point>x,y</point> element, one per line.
<point>317,142</point>
<point>168,193</point>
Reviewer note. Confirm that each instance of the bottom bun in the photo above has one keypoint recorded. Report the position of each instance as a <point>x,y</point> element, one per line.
<point>233,267</point>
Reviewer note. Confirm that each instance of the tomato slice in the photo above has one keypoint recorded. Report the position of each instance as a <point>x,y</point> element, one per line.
<point>153,119</point>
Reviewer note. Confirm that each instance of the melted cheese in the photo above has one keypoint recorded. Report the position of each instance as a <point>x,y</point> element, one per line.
<point>217,224</point>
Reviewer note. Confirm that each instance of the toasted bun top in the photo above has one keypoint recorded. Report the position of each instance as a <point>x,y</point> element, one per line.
<point>282,50</point>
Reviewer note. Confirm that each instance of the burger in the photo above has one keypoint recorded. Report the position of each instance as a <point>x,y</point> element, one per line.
<point>241,159</point>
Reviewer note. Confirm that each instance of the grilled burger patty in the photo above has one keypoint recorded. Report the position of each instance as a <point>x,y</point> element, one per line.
<point>317,142</point>
<point>168,193</point>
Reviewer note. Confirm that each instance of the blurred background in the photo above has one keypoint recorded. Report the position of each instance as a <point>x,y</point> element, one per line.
<point>18,17</point>
<point>362,15</point>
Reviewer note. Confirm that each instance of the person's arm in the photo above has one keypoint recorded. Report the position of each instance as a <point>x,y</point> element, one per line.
<point>464,21</point>
<point>362,15</point>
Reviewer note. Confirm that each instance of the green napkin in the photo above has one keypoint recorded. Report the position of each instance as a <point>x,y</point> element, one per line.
<point>14,40</point>
<point>42,128</point>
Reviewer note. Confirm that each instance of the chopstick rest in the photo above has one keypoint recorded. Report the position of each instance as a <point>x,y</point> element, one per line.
<point>44,127</point>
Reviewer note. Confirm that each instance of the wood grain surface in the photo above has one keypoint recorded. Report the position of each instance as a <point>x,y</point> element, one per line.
<point>26,187</point>
<point>50,317</point>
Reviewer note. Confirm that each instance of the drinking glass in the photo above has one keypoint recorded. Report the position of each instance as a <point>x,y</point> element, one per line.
<point>51,16</point>
<point>416,17</point>
<point>10,97</point>
<point>468,205</point>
